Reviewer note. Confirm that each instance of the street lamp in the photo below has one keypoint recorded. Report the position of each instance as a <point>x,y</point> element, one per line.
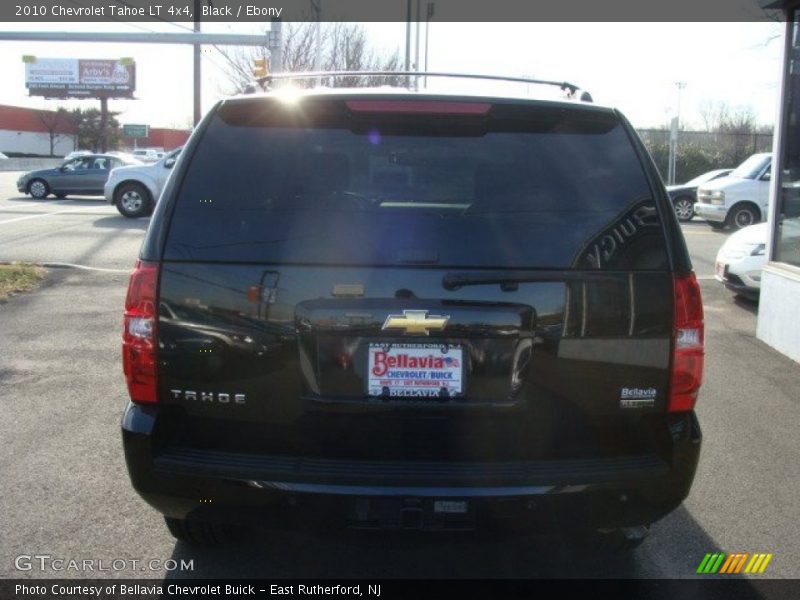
<point>673,137</point>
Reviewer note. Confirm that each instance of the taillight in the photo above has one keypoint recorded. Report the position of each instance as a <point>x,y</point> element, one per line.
<point>430,107</point>
<point>139,334</point>
<point>687,345</point>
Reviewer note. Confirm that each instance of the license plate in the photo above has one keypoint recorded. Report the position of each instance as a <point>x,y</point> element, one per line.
<point>720,270</point>
<point>425,370</point>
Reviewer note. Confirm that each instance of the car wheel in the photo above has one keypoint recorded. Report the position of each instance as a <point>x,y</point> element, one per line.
<point>133,200</point>
<point>617,541</point>
<point>743,215</point>
<point>684,209</point>
<point>202,533</point>
<point>38,189</point>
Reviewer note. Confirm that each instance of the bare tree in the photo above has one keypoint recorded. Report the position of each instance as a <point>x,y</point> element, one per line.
<point>343,47</point>
<point>714,114</point>
<point>52,121</point>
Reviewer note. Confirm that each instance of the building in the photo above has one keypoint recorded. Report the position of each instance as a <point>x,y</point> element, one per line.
<point>778,322</point>
<point>27,131</point>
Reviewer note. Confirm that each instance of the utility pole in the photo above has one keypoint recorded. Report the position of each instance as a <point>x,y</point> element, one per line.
<point>408,39</point>
<point>275,47</point>
<point>428,15</point>
<point>316,6</point>
<point>198,105</point>
<point>416,49</point>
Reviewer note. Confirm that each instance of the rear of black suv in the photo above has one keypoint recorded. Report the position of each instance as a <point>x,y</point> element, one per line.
<point>411,311</point>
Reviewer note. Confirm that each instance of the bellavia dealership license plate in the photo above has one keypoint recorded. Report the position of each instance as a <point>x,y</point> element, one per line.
<point>431,370</point>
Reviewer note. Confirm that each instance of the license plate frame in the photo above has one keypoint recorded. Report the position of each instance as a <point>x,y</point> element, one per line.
<point>437,367</point>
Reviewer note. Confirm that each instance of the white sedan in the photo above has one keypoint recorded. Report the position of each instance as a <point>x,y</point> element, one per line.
<point>739,261</point>
<point>135,190</point>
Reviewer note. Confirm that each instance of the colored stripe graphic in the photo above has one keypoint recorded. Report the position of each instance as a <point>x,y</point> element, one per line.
<point>719,562</point>
<point>734,563</point>
<point>711,563</point>
<point>758,563</point>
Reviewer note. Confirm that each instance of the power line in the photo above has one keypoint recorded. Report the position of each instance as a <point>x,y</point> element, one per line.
<point>117,19</point>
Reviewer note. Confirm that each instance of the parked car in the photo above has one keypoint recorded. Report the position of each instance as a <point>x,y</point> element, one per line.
<point>402,310</point>
<point>685,195</point>
<point>741,198</point>
<point>740,259</point>
<point>145,154</point>
<point>84,175</point>
<point>134,190</point>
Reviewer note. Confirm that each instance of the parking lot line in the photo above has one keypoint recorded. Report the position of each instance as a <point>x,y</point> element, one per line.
<point>50,214</point>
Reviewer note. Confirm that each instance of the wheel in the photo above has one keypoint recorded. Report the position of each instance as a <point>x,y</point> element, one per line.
<point>133,200</point>
<point>743,215</point>
<point>684,208</point>
<point>38,189</point>
<point>203,533</point>
<point>617,541</point>
<point>61,196</point>
<point>717,226</point>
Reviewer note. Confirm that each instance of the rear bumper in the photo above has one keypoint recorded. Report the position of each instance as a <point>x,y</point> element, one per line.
<point>736,285</point>
<point>282,491</point>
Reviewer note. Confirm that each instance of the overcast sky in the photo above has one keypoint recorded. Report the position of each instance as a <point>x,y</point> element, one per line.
<point>632,66</point>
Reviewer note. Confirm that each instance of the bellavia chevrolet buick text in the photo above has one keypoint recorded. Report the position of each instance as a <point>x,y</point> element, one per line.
<point>394,309</point>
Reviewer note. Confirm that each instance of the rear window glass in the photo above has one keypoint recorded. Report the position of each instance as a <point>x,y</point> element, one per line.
<point>521,188</point>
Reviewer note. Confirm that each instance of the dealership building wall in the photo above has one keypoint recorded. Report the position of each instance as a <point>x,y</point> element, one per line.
<point>30,142</point>
<point>22,130</point>
<point>778,322</point>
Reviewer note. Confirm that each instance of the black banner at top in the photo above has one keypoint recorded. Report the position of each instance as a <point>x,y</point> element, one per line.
<point>232,11</point>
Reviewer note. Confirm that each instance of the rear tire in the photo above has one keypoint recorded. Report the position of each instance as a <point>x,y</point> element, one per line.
<point>133,200</point>
<point>617,541</point>
<point>202,533</point>
<point>38,189</point>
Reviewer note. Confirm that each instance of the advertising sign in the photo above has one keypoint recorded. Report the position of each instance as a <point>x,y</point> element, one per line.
<point>135,131</point>
<point>80,78</point>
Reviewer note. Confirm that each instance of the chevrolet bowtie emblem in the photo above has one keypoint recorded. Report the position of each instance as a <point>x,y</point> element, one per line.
<point>416,321</point>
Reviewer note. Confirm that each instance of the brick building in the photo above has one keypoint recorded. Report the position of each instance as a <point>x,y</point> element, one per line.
<point>26,130</point>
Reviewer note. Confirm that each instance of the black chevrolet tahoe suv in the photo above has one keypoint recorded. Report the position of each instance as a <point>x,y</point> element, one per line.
<point>395,309</point>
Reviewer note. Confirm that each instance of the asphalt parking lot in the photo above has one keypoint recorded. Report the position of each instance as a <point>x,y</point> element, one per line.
<point>66,493</point>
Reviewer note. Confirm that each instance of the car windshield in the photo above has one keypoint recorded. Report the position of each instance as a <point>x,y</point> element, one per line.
<point>750,168</point>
